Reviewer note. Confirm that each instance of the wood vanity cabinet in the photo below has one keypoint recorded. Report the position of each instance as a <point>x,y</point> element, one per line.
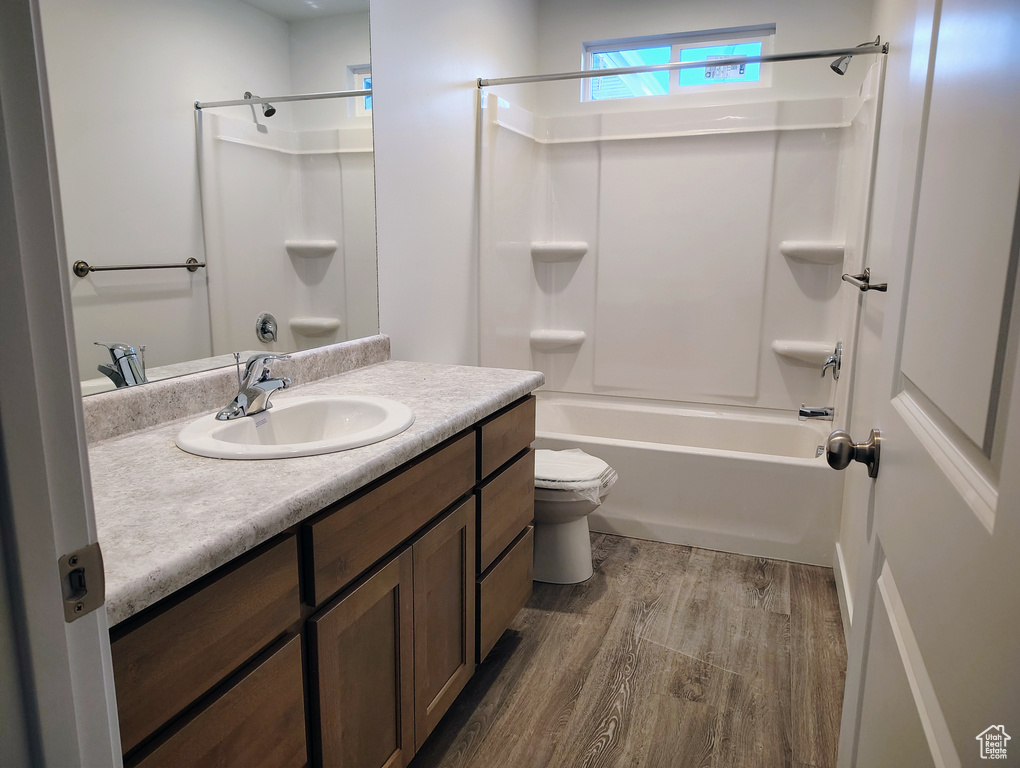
<point>404,587</point>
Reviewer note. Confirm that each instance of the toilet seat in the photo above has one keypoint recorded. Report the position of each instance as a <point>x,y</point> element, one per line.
<point>560,475</point>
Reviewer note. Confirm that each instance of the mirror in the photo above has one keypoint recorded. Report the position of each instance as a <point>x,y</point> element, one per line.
<point>277,202</point>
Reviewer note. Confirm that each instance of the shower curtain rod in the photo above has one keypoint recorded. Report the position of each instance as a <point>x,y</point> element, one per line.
<point>861,50</point>
<point>278,99</point>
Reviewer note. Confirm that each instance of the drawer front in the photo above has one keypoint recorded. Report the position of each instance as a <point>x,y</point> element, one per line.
<point>504,436</point>
<point>506,507</point>
<point>259,721</point>
<point>503,591</point>
<point>348,540</point>
<point>163,665</point>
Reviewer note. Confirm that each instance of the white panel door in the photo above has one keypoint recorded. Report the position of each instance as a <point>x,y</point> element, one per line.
<point>935,654</point>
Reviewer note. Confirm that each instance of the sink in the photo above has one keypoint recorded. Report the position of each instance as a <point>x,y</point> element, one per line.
<point>298,426</point>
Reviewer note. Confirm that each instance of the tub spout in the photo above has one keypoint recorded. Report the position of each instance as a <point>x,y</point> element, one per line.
<point>825,413</point>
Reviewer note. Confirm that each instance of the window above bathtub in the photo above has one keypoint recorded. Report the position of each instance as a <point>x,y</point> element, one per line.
<point>704,45</point>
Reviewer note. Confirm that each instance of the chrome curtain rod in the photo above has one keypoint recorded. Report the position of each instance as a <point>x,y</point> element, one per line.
<point>278,99</point>
<point>799,56</point>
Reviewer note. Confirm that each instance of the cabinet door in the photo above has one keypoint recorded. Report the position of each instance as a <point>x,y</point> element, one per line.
<point>444,616</point>
<point>361,658</point>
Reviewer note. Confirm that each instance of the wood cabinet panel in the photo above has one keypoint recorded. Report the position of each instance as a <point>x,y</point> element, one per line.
<point>168,661</point>
<point>506,507</point>
<point>444,616</point>
<point>504,436</point>
<point>349,539</point>
<point>504,590</point>
<point>258,721</point>
<point>361,667</point>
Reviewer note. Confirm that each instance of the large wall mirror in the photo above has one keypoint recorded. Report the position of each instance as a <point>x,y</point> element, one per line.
<point>278,202</point>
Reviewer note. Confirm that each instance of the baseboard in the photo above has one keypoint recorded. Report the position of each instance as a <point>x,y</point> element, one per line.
<point>843,591</point>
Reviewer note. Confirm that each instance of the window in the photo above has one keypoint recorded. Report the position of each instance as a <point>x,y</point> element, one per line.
<point>361,79</point>
<point>694,46</point>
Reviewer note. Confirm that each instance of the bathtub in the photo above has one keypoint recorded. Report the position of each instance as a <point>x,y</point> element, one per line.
<point>728,479</point>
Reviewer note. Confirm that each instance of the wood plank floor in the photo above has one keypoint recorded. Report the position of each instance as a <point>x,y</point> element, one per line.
<point>668,657</point>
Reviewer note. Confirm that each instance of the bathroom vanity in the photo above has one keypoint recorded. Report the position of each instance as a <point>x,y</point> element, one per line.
<point>343,635</point>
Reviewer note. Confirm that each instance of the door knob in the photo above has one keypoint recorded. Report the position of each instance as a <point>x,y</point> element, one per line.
<point>840,450</point>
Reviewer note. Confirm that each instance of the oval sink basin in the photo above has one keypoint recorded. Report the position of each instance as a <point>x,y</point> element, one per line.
<point>298,426</point>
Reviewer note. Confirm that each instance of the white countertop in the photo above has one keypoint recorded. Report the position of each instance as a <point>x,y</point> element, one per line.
<point>166,518</point>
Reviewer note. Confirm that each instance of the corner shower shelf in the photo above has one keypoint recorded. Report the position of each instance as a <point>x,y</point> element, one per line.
<point>310,249</point>
<point>556,341</point>
<point>813,251</point>
<point>808,352</point>
<point>314,326</point>
<point>557,251</point>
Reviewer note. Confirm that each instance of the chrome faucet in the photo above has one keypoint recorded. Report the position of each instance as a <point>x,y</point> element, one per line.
<point>254,388</point>
<point>127,364</point>
<point>825,413</point>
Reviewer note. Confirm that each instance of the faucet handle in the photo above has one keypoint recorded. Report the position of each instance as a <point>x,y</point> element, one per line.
<point>257,366</point>
<point>833,361</point>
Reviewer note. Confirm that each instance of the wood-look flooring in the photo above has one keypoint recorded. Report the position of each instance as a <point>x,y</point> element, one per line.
<point>668,657</point>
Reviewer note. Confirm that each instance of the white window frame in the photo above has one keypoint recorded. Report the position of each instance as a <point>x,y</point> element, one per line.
<point>764,33</point>
<point>356,74</point>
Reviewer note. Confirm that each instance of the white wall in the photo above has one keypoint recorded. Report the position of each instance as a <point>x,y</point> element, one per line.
<point>426,57</point>
<point>321,50</point>
<point>565,25</point>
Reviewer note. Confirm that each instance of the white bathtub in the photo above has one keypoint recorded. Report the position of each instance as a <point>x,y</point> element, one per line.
<point>726,480</point>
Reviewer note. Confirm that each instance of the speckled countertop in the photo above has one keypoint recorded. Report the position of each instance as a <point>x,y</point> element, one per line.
<point>165,517</point>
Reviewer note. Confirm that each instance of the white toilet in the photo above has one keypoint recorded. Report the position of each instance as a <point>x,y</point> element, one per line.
<point>569,486</point>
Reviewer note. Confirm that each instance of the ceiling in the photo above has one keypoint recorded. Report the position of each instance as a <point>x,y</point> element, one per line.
<point>296,10</point>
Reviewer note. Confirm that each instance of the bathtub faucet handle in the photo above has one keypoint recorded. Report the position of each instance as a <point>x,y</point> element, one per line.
<point>833,361</point>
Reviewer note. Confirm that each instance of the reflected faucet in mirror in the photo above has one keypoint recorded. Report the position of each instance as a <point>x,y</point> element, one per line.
<point>254,388</point>
<point>127,364</point>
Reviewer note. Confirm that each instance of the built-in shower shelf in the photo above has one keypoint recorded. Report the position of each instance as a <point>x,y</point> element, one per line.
<point>556,341</point>
<point>813,251</point>
<point>310,249</point>
<point>807,352</point>
<point>557,251</point>
<point>314,326</point>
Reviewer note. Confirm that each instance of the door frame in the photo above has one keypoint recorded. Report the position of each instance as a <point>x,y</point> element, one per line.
<point>65,684</point>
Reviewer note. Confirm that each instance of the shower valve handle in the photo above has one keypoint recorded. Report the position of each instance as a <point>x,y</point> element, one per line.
<point>840,450</point>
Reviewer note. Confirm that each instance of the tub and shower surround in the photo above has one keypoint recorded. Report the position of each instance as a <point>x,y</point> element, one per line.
<point>289,220</point>
<point>674,265</point>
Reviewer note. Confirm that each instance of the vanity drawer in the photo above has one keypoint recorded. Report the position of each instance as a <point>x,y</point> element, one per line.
<point>168,661</point>
<point>348,539</point>
<point>504,590</point>
<point>258,721</point>
<point>503,436</point>
<point>506,507</point>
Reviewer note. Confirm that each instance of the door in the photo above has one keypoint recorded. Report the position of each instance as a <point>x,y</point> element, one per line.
<point>361,660</point>
<point>934,670</point>
<point>444,616</point>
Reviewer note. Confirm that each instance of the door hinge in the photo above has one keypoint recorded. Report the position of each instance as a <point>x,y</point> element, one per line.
<point>82,581</point>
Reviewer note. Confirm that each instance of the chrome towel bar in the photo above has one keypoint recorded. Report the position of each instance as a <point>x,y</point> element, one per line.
<point>82,268</point>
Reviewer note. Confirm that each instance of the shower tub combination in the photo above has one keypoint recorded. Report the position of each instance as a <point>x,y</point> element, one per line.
<point>720,479</point>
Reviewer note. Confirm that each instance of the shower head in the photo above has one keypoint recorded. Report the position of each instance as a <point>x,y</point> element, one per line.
<point>268,110</point>
<point>840,65</point>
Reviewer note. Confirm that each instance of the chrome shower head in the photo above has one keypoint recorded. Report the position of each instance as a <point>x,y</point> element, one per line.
<point>839,66</point>
<point>268,110</point>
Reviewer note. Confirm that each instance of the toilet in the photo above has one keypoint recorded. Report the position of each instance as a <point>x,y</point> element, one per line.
<point>569,486</point>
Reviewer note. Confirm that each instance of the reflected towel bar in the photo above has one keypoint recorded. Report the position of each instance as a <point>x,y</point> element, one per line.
<point>82,268</point>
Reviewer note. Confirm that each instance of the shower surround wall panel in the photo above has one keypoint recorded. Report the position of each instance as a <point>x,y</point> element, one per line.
<point>263,187</point>
<point>683,227</point>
